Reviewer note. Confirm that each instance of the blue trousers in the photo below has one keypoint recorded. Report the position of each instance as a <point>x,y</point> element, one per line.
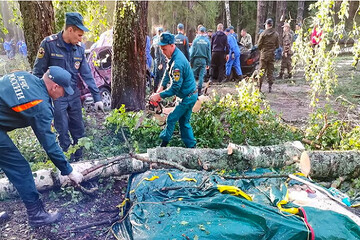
<point>68,118</point>
<point>233,63</point>
<point>181,114</point>
<point>199,69</point>
<point>17,169</point>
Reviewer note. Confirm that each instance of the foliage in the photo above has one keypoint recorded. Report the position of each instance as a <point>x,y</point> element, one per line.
<point>243,119</point>
<point>94,13</point>
<point>351,140</point>
<point>141,138</point>
<point>319,60</point>
<point>17,19</point>
<point>29,146</point>
<point>16,64</point>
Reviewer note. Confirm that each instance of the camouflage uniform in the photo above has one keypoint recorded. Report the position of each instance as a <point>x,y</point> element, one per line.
<point>287,53</point>
<point>268,42</point>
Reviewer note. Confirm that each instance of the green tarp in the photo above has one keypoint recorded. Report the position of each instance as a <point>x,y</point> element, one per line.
<point>178,207</point>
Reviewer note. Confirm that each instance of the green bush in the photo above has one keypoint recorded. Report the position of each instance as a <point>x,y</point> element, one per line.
<point>243,118</point>
<point>141,138</point>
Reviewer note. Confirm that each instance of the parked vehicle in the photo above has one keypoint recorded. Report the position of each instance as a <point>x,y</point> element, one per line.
<point>99,60</point>
<point>249,59</point>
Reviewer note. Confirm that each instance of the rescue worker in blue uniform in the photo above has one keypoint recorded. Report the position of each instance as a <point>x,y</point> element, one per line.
<point>159,59</point>
<point>234,56</point>
<point>182,41</point>
<point>25,100</point>
<point>183,85</point>
<point>64,49</point>
<point>200,58</point>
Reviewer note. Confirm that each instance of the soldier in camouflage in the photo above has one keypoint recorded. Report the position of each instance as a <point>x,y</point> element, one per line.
<point>268,42</point>
<point>287,52</point>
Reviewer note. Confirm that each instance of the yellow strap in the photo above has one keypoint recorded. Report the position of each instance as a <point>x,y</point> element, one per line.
<point>235,191</point>
<point>285,201</point>
<point>122,205</point>
<point>147,179</point>
<point>181,180</point>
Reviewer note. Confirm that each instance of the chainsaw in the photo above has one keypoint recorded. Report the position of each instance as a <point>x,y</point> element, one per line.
<point>155,107</point>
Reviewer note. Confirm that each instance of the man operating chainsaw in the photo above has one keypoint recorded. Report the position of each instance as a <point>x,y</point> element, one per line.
<point>178,72</point>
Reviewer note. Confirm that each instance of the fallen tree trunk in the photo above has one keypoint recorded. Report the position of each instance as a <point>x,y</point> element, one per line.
<point>46,179</point>
<point>328,165</point>
<point>236,157</point>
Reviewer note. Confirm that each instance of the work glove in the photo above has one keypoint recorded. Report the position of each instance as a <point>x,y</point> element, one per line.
<point>99,106</point>
<point>76,177</point>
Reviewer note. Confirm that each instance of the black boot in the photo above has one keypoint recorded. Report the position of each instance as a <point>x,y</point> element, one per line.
<point>4,216</point>
<point>164,144</point>
<point>199,92</point>
<point>38,216</point>
<point>270,88</point>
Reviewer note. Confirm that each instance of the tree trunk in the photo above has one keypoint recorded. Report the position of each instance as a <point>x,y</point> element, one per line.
<point>270,9</point>
<point>324,164</point>
<point>261,17</point>
<point>300,11</point>
<point>39,22</point>
<point>353,7</point>
<point>280,18</point>
<point>239,20</point>
<point>128,61</point>
<point>227,12</point>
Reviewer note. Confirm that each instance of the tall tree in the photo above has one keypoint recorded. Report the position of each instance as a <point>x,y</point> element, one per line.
<point>39,22</point>
<point>280,17</point>
<point>270,9</point>
<point>300,11</point>
<point>239,19</point>
<point>227,11</point>
<point>261,17</point>
<point>128,61</point>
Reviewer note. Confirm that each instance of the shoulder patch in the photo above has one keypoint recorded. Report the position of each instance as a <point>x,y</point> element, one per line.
<point>176,74</point>
<point>51,38</point>
<point>41,52</point>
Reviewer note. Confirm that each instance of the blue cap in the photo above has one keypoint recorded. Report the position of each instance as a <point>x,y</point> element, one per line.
<point>180,26</point>
<point>166,39</point>
<point>74,18</point>
<point>202,29</point>
<point>61,77</point>
<point>231,27</point>
<point>227,30</point>
<point>159,29</point>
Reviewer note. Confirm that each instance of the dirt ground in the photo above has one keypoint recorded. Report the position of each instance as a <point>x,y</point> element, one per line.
<point>289,98</point>
<point>90,210</point>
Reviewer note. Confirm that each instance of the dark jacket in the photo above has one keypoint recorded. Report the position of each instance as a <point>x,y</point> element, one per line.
<point>268,42</point>
<point>219,42</point>
<point>53,52</point>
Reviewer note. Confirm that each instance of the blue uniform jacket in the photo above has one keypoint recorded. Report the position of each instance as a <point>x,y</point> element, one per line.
<point>182,43</point>
<point>53,52</point>
<point>24,101</point>
<point>178,70</point>
<point>233,46</point>
<point>148,55</point>
<point>201,47</point>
